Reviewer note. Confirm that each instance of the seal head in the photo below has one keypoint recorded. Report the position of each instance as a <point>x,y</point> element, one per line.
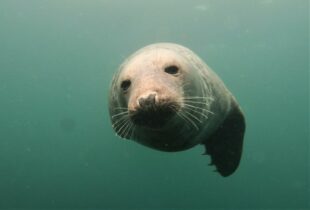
<point>165,97</point>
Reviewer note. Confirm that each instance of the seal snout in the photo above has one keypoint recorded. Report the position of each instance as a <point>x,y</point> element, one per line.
<point>147,100</point>
<point>152,110</point>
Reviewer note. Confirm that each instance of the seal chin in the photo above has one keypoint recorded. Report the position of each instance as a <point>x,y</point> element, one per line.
<point>153,118</point>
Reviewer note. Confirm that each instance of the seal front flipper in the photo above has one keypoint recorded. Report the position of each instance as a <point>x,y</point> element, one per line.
<point>225,144</point>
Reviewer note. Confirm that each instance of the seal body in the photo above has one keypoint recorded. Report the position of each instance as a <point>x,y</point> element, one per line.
<point>165,97</point>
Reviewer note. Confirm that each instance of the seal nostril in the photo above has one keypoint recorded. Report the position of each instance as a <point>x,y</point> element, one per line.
<point>146,101</point>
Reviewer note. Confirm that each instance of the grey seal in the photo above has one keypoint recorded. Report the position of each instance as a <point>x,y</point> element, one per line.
<point>165,97</point>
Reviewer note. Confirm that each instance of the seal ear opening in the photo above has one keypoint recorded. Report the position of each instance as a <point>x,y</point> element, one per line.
<point>225,145</point>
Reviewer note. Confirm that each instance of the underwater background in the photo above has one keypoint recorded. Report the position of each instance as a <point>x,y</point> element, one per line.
<point>58,149</point>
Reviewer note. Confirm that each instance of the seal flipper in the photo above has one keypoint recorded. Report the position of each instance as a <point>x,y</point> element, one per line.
<point>225,145</point>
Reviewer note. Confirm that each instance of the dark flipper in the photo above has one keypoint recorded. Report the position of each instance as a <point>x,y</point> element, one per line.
<point>225,145</point>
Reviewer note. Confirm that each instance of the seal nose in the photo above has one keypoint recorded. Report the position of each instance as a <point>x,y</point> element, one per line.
<point>146,101</point>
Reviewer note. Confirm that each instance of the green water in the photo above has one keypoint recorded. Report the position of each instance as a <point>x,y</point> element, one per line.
<point>57,148</point>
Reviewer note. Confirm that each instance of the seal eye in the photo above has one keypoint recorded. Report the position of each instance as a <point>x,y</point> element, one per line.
<point>125,85</point>
<point>172,69</point>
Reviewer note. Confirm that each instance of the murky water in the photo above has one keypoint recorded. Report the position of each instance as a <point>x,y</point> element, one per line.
<point>57,147</point>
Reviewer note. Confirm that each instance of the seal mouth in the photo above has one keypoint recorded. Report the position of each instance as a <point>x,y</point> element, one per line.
<point>153,117</point>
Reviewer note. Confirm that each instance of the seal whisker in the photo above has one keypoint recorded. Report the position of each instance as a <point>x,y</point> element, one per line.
<point>186,111</point>
<point>185,116</point>
<point>199,98</point>
<point>203,109</point>
<point>173,107</point>
<point>128,129</point>
<point>131,130</point>
<point>123,128</point>
<point>124,131</point>
<point>184,85</point>
<point>120,114</point>
<point>198,112</point>
<point>181,116</point>
<point>119,122</point>
<point>120,108</point>
<point>189,120</point>
<point>196,102</point>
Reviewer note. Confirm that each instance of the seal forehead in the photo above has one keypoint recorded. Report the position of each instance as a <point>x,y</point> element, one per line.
<point>152,58</point>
